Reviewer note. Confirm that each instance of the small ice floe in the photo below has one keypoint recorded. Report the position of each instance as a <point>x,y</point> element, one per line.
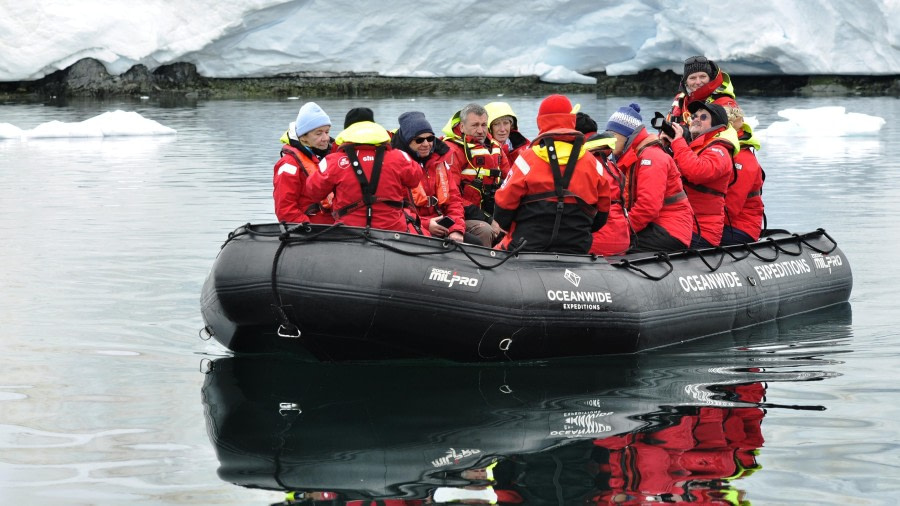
<point>832,121</point>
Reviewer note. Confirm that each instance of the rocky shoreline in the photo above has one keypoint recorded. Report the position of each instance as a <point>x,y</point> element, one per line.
<point>88,78</point>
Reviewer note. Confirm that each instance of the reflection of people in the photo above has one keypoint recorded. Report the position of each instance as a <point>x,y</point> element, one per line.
<point>693,457</point>
<point>657,205</point>
<point>743,201</point>
<point>478,165</point>
<point>707,167</point>
<point>556,195</point>
<point>307,142</point>
<point>436,196</point>
<point>371,194</point>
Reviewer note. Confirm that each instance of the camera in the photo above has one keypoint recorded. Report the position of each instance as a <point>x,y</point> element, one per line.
<point>659,122</point>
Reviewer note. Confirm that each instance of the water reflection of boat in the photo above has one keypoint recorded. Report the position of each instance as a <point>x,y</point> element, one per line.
<point>347,293</point>
<point>665,425</point>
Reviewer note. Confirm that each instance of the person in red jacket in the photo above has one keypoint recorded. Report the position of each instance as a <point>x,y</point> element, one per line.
<point>703,81</point>
<point>503,125</point>
<point>307,142</point>
<point>556,195</point>
<point>436,198</point>
<point>744,210</point>
<point>707,168</point>
<point>657,206</point>
<point>478,164</point>
<point>369,179</point>
<point>613,238</point>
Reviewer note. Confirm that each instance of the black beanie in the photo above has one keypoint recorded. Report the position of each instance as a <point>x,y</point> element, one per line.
<point>413,123</point>
<point>584,123</point>
<point>697,64</point>
<point>358,114</point>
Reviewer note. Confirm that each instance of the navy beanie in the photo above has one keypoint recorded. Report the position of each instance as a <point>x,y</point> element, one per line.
<point>626,120</point>
<point>413,123</point>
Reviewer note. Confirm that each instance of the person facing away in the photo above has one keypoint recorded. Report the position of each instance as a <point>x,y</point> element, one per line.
<point>556,195</point>
<point>477,164</point>
<point>503,126</point>
<point>656,204</point>
<point>613,238</point>
<point>702,80</point>
<point>368,177</point>
<point>744,209</point>
<point>306,142</point>
<point>707,168</point>
<point>436,196</point>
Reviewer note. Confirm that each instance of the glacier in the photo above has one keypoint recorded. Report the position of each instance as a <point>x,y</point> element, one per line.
<point>559,41</point>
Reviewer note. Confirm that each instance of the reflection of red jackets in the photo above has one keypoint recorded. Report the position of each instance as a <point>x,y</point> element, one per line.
<point>707,168</point>
<point>715,443</point>
<point>399,174</point>
<point>613,238</point>
<point>526,205</point>
<point>289,181</point>
<point>653,190</point>
<point>743,201</point>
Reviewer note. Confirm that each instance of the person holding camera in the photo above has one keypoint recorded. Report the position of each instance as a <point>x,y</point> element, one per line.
<point>654,199</point>
<point>707,168</point>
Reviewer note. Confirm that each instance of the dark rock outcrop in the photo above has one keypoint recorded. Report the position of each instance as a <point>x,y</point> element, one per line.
<point>89,78</point>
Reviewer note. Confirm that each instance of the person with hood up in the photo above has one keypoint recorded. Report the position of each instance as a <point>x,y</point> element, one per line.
<point>503,126</point>
<point>707,168</point>
<point>370,180</point>
<point>437,199</point>
<point>307,142</point>
<point>556,194</point>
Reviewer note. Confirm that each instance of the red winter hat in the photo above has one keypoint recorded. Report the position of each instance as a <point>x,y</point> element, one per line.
<point>555,113</point>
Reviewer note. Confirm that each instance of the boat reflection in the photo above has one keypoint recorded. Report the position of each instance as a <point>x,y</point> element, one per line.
<point>669,426</point>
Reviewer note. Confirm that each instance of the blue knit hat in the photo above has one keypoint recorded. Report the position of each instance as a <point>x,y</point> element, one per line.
<point>626,120</point>
<point>413,123</point>
<point>310,117</point>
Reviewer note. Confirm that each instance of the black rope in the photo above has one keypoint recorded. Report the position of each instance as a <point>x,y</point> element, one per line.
<point>628,264</point>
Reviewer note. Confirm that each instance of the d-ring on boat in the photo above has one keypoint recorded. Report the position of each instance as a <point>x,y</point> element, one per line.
<point>340,293</point>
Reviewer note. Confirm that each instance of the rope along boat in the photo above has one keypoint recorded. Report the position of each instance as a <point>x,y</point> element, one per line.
<point>340,293</point>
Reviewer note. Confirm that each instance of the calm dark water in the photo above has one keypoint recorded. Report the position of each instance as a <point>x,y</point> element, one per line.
<point>102,398</point>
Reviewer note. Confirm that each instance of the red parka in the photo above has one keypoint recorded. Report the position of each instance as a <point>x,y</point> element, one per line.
<point>707,168</point>
<point>437,195</point>
<point>297,162</point>
<point>614,237</point>
<point>743,201</point>
<point>527,203</point>
<point>398,175</point>
<point>653,190</point>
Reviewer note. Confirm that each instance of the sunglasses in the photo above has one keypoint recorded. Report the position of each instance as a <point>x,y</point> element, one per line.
<point>696,59</point>
<point>420,140</point>
<point>702,116</point>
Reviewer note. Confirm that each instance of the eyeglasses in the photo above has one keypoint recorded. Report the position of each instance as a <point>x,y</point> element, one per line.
<point>696,59</point>
<point>420,140</point>
<point>702,116</point>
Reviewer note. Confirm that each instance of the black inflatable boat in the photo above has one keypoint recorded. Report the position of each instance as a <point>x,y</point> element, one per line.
<point>343,293</point>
